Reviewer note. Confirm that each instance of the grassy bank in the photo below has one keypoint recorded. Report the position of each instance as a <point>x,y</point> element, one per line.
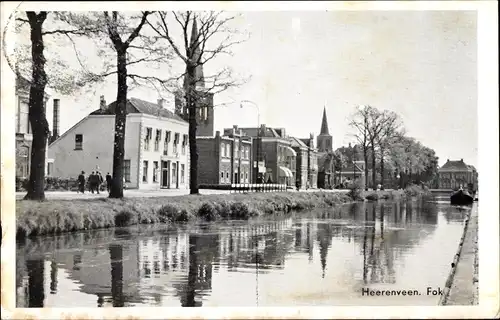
<point>57,216</point>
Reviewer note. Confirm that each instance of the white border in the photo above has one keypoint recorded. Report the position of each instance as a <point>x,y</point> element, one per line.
<point>488,173</point>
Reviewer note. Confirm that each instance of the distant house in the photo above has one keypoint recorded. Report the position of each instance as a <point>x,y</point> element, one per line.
<point>302,162</point>
<point>454,174</point>
<point>156,146</point>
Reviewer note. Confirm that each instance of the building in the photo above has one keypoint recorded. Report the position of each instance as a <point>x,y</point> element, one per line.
<point>156,146</point>
<point>302,163</point>
<point>454,174</point>
<point>224,159</point>
<point>312,161</point>
<point>24,133</point>
<point>325,155</point>
<point>352,172</point>
<point>275,158</point>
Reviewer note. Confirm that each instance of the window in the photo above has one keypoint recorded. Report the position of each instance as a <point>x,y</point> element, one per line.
<point>182,173</point>
<point>78,141</point>
<point>144,171</point>
<point>228,152</point>
<point>167,141</point>
<point>222,177</point>
<point>157,140</point>
<point>174,172</point>
<point>246,176</point>
<point>227,176</point>
<point>126,170</point>
<point>147,138</point>
<point>184,143</point>
<point>235,150</point>
<point>155,171</point>
<point>50,166</point>
<point>222,150</point>
<point>176,142</point>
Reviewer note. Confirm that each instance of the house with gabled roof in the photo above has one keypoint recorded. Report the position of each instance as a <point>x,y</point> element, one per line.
<point>456,173</point>
<point>156,145</point>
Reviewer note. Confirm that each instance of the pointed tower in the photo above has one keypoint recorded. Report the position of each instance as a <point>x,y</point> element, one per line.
<point>205,100</point>
<point>324,140</point>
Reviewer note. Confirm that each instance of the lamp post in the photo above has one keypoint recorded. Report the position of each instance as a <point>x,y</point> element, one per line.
<point>258,134</point>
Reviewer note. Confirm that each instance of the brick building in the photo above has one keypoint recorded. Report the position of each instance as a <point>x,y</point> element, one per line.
<point>224,159</point>
<point>276,157</point>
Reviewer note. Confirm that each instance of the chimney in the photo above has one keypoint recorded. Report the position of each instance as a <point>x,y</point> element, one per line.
<point>102,103</point>
<point>262,130</point>
<point>161,103</point>
<point>462,160</point>
<point>55,124</point>
<point>217,133</point>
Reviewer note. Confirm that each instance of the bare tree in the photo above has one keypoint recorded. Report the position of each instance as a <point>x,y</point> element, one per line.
<point>360,122</point>
<point>33,68</point>
<point>211,39</point>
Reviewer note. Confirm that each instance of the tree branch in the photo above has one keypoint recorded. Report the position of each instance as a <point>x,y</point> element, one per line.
<point>136,31</point>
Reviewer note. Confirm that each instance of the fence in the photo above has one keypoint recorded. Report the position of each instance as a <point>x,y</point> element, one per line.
<point>247,187</point>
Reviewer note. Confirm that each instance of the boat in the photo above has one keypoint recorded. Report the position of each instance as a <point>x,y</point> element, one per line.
<point>461,197</point>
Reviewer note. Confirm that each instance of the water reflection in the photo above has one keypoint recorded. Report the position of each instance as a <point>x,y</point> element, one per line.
<point>195,265</point>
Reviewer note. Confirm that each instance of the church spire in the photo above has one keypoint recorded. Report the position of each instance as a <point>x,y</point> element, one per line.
<point>324,124</point>
<point>195,44</point>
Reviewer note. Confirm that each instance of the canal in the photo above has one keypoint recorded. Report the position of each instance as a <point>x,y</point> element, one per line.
<point>323,258</point>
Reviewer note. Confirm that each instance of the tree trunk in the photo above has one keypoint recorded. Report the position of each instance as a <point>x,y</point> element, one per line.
<point>382,169</point>
<point>36,114</point>
<point>365,158</point>
<point>374,172</point>
<point>120,120</point>
<point>191,100</point>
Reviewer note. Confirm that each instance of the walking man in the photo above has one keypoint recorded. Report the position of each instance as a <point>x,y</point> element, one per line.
<point>91,181</point>
<point>100,180</point>
<point>81,182</point>
<point>108,182</point>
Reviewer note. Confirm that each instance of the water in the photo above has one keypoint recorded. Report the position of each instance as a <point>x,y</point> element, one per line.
<point>316,258</point>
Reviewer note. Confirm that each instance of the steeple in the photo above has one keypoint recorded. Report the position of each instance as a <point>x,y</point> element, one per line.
<point>324,139</point>
<point>324,125</point>
<point>194,43</point>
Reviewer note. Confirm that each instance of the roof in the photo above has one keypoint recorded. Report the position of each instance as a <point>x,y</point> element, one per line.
<point>135,105</point>
<point>297,143</point>
<point>350,167</point>
<point>269,133</point>
<point>459,165</point>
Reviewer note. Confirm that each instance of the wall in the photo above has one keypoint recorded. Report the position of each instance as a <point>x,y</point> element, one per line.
<point>148,121</point>
<point>208,160</point>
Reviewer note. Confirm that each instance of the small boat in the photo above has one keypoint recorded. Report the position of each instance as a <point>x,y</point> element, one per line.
<point>461,197</point>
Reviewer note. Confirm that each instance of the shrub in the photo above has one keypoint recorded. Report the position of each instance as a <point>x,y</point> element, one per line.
<point>355,193</point>
<point>224,208</point>
<point>168,212</point>
<point>372,196</point>
<point>207,212</point>
<point>240,210</point>
<point>124,218</point>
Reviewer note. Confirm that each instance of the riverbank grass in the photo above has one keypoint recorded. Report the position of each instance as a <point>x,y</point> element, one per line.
<point>58,216</point>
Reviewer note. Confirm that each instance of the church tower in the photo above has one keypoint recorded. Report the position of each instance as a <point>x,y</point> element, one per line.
<point>205,103</point>
<point>324,140</point>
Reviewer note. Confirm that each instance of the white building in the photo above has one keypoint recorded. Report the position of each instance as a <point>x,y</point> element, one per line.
<point>156,146</point>
<point>24,133</point>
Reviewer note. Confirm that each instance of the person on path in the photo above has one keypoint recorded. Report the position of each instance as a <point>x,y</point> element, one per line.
<point>91,181</point>
<point>81,182</point>
<point>108,182</point>
<point>99,181</point>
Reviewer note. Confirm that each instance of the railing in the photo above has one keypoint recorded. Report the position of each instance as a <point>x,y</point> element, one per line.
<point>246,187</point>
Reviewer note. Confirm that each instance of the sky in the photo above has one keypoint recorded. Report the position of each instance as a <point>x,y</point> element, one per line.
<point>420,64</point>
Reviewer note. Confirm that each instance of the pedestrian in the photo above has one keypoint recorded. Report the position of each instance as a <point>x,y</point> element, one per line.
<point>98,181</point>
<point>91,181</point>
<point>108,182</point>
<point>81,182</point>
